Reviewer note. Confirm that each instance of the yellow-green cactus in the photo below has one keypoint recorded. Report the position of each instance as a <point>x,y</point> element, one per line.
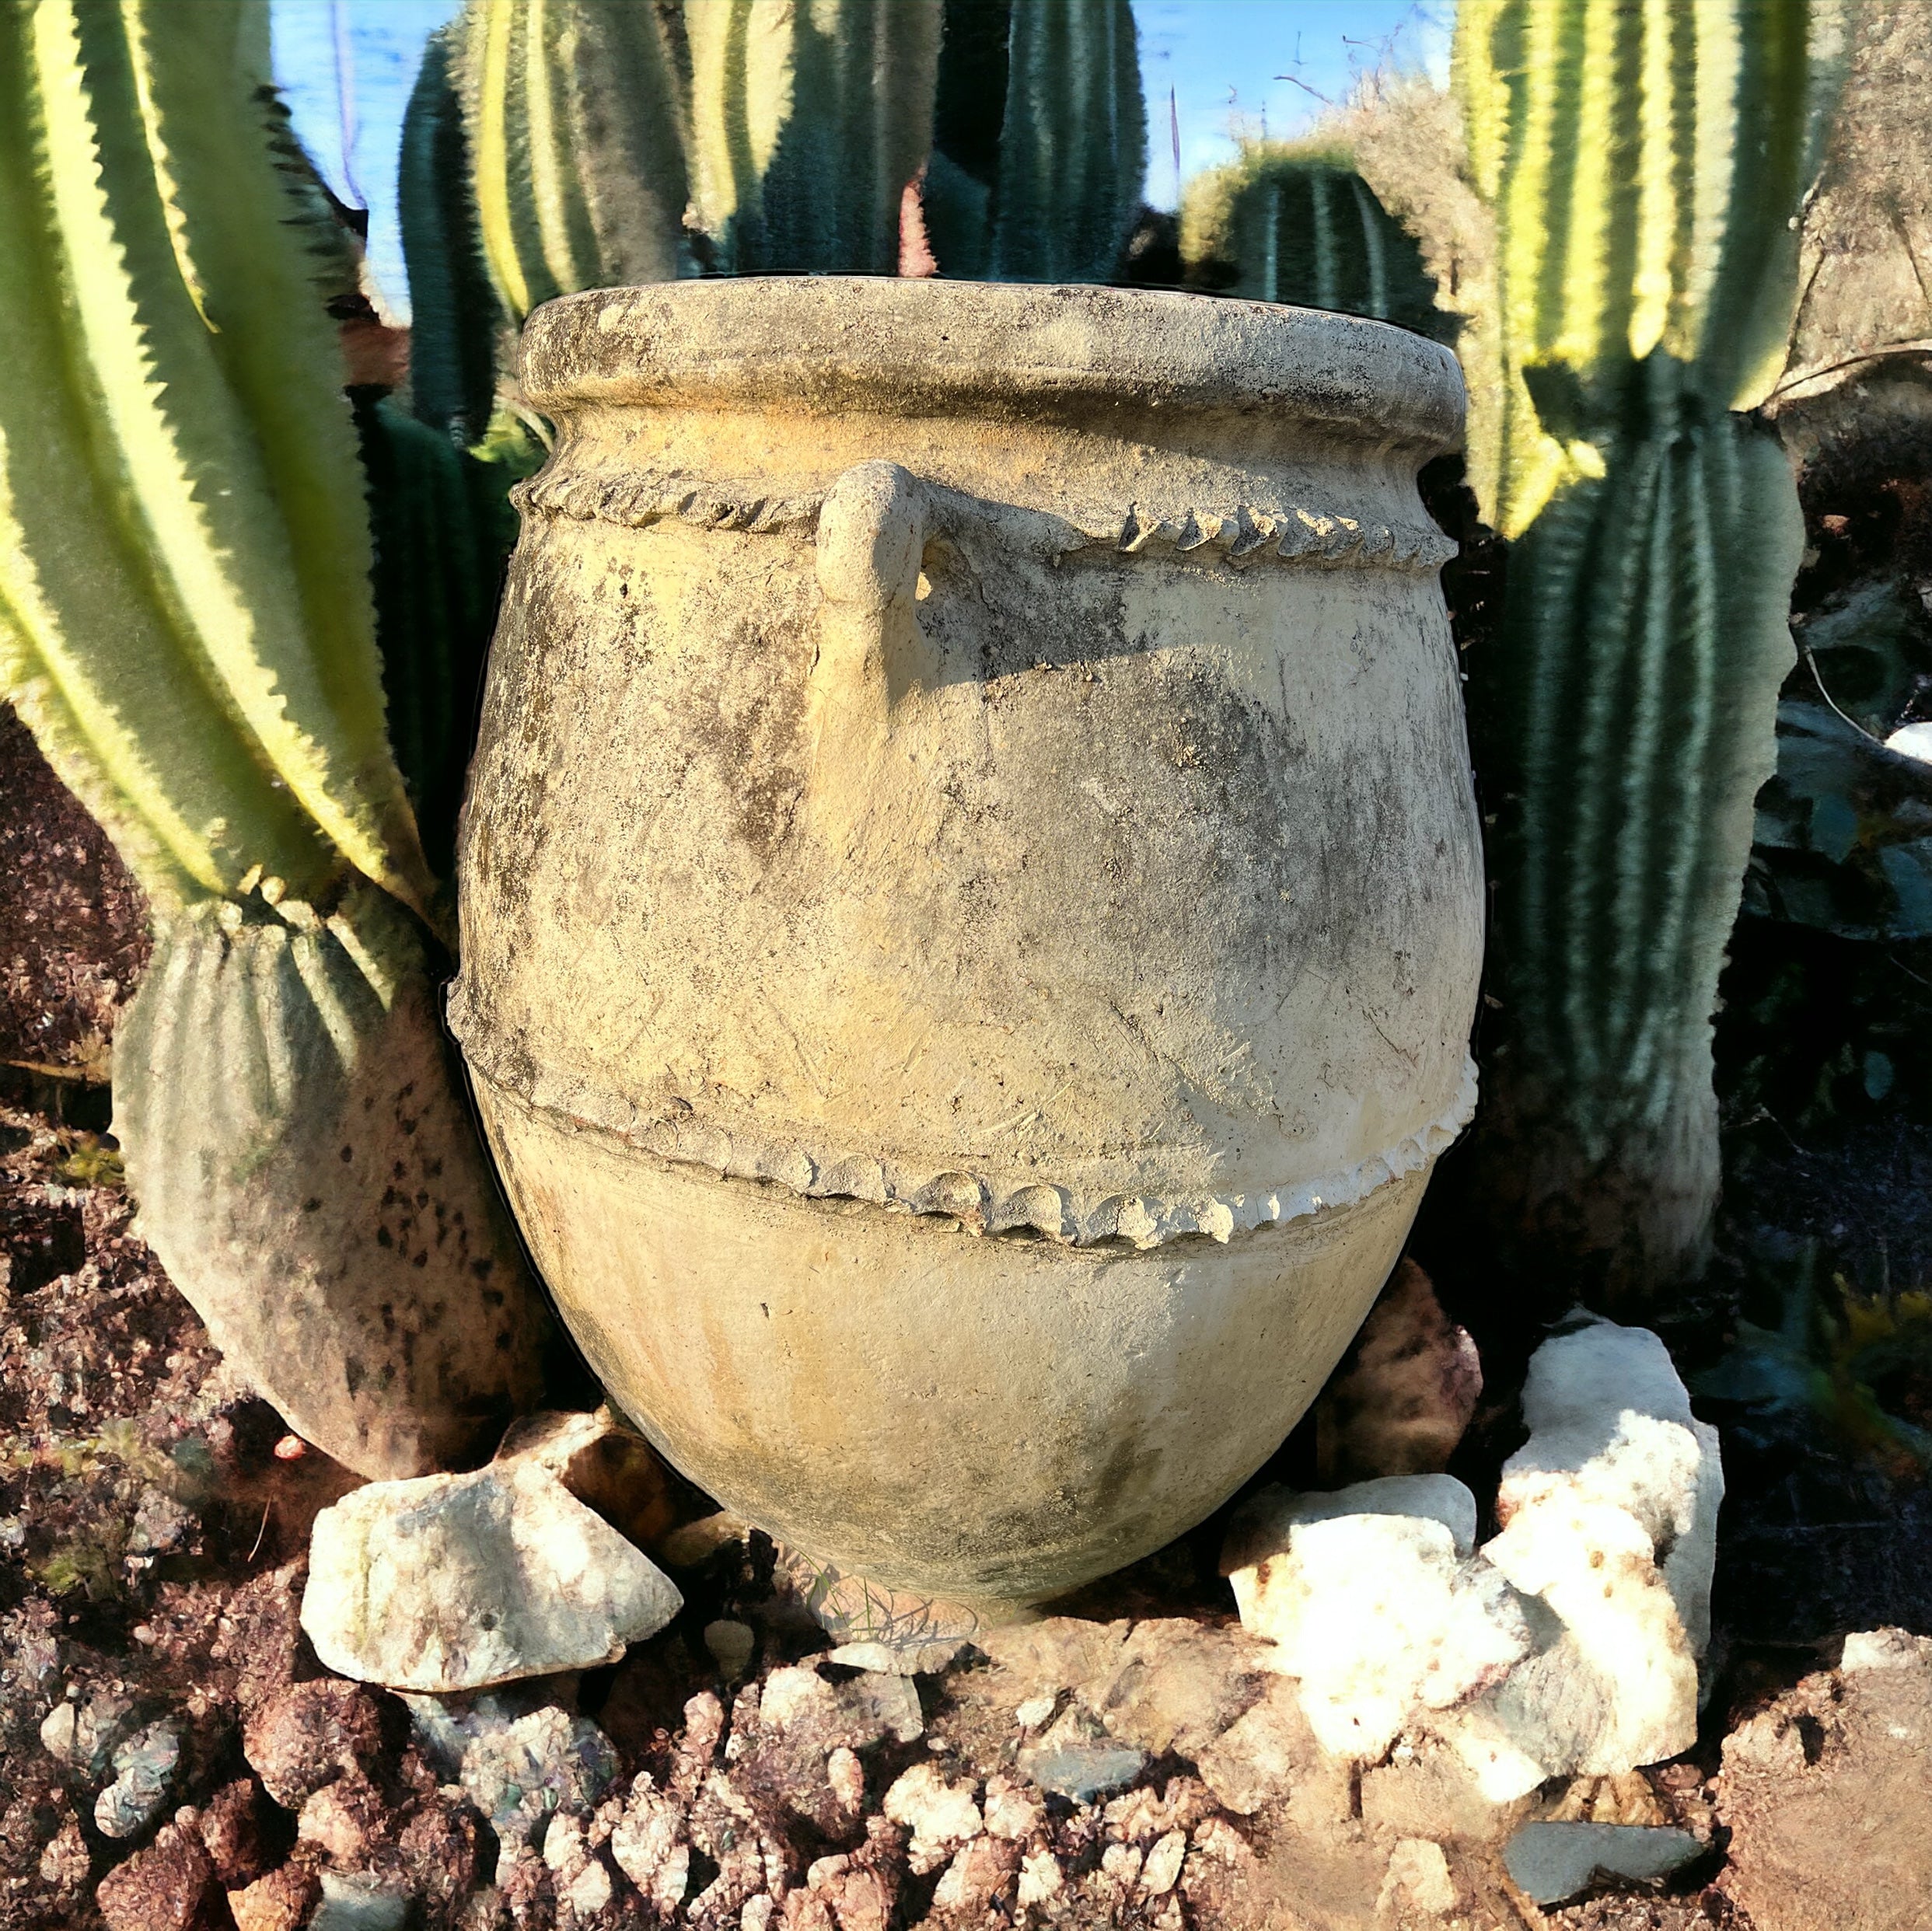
<point>185,615</point>
<point>576,117</point>
<point>186,625</point>
<point>1040,145</point>
<point>1645,162</point>
<point>808,121</point>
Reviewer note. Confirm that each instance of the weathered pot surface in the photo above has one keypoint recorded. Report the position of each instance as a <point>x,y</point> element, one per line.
<point>971,894</point>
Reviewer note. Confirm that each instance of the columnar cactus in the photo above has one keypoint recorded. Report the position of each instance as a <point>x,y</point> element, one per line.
<point>1299,225</point>
<point>452,329</point>
<point>576,113</point>
<point>186,624</point>
<point>808,121</point>
<point>1041,146</point>
<point>1644,164</point>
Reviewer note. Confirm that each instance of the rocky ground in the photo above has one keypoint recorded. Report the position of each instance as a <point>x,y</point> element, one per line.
<point>175,1756</point>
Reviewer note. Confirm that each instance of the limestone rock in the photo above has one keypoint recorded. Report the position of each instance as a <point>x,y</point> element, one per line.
<point>1549,1863</point>
<point>452,1582</point>
<point>83,1736</point>
<point>1404,1393</point>
<point>1825,1793</point>
<point>1609,1513</point>
<point>1083,1770</point>
<point>1374,1603</point>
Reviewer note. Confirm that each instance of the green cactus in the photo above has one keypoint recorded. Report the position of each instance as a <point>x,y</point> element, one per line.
<point>453,327</point>
<point>1040,148</point>
<point>1644,164</point>
<point>1287,223</point>
<point>186,626</point>
<point>807,124</point>
<point>576,112</point>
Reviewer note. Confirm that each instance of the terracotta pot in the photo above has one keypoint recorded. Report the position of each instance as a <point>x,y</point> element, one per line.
<point>971,896</point>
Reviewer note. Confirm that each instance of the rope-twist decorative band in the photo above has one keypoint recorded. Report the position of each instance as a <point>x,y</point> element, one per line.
<point>1313,539</point>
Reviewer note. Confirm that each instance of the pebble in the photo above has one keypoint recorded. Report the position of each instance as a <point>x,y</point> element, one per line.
<point>939,1814</point>
<point>83,1736</point>
<point>169,1886</point>
<point>1550,1863</point>
<point>309,1734</point>
<point>453,1582</point>
<point>1082,1771</point>
<point>1418,1876</point>
<point>355,1902</point>
<point>143,1767</point>
<point>731,1644</point>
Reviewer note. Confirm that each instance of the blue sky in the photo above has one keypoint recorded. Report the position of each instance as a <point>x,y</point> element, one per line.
<point>1228,65</point>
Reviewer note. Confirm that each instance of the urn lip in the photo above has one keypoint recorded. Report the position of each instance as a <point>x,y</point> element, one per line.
<point>836,343</point>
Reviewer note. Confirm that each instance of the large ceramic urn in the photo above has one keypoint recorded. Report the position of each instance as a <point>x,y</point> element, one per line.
<point>971,899</point>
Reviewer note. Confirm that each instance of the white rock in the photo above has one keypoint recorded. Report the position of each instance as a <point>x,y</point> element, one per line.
<point>1874,1650</point>
<point>1609,1513</point>
<point>1549,1863</point>
<point>452,1582</point>
<point>1162,1869</point>
<point>894,1658</point>
<point>650,1847</point>
<point>939,1814</point>
<point>1912,741</point>
<point>1040,1878</point>
<point>1375,1605</point>
<point>1418,1876</point>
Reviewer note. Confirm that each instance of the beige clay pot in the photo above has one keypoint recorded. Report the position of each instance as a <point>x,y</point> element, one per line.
<point>971,897</point>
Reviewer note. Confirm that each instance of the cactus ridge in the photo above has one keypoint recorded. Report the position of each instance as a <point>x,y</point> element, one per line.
<point>1287,223</point>
<point>575,114</point>
<point>808,122</point>
<point>184,557</point>
<point>1643,648</point>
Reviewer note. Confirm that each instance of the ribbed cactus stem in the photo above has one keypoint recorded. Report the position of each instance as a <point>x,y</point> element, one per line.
<point>808,122</point>
<point>1073,144</point>
<point>575,112</point>
<point>188,626</point>
<point>1291,224</point>
<point>452,337</point>
<point>1635,690</point>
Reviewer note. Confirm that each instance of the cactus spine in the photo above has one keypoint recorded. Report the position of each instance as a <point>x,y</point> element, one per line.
<point>1289,224</point>
<point>186,626</point>
<point>1045,187</point>
<point>575,112</point>
<point>1643,162</point>
<point>809,119</point>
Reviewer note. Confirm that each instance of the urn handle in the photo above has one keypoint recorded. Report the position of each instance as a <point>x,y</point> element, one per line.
<point>871,534</point>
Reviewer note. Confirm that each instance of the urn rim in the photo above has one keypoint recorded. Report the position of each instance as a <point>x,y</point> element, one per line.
<point>991,349</point>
